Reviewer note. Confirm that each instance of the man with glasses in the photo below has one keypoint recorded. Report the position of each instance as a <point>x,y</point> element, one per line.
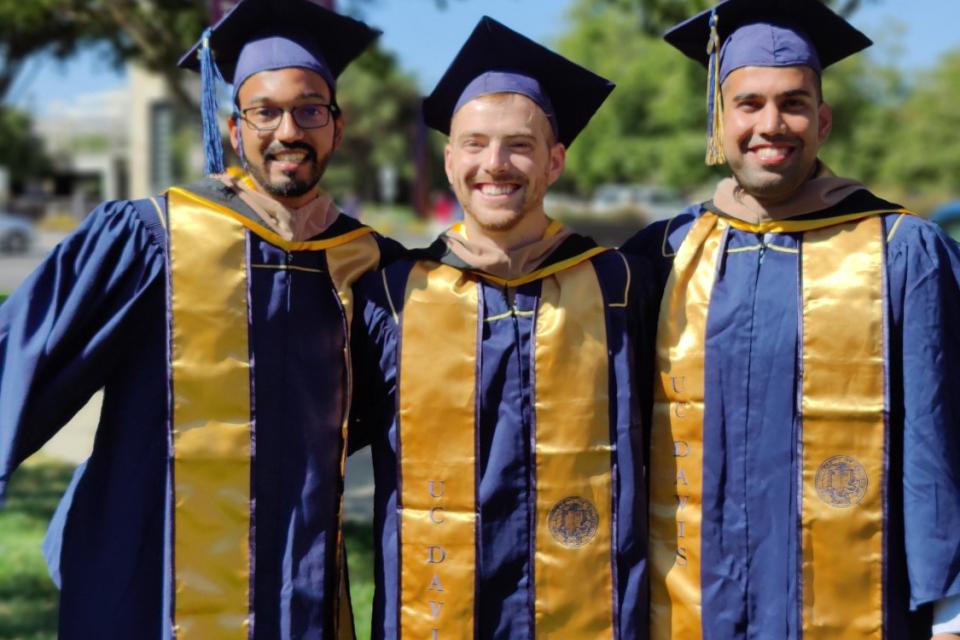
<point>215,317</point>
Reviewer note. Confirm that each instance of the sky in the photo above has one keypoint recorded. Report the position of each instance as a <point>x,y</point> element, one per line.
<point>426,40</point>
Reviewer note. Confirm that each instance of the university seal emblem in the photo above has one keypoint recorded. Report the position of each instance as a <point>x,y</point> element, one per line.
<point>841,481</point>
<point>573,522</point>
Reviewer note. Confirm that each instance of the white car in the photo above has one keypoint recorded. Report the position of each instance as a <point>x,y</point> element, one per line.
<point>16,234</point>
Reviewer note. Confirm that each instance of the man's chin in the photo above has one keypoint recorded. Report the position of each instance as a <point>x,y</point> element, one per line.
<point>498,221</point>
<point>287,187</point>
<point>769,185</point>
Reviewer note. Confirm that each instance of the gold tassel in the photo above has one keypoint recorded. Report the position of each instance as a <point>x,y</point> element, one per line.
<point>715,154</point>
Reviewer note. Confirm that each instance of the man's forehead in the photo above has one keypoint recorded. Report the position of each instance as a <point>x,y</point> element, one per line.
<point>791,75</point>
<point>288,80</point>
<point>514,111</point>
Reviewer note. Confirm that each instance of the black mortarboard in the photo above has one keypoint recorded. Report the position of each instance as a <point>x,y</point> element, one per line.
<point>761,33</point>
<point>260,35</point>
<point>496,59</point>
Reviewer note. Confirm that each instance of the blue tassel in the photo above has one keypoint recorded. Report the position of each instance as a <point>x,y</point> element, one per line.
<point>209,109</point>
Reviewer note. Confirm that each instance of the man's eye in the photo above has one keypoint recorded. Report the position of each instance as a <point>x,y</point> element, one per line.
<point>310,111</point>
<point>265,114</point>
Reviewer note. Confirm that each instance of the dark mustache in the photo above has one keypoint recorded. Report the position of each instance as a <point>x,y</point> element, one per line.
<point>282,147</point>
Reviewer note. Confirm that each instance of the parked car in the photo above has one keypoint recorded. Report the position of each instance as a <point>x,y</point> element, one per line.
<point>652,202</point>
<point>948,217</point>
<point>16,234</point>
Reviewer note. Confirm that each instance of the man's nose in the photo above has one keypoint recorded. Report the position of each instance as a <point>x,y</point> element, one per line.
<point>497,159</point>
<point>770,120</point>
<point>288,129</point>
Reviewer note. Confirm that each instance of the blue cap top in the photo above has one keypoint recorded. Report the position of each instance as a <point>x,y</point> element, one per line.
<point>496,59</point>
<point>509,82</point>
<point>279,52</point>
<point>763,44</point>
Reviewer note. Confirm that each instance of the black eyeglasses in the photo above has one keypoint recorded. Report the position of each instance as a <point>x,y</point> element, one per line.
<point>307,116</point>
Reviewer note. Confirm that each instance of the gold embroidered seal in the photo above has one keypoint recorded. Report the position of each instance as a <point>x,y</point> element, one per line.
<point>841,481</point>
<point>573,522</point>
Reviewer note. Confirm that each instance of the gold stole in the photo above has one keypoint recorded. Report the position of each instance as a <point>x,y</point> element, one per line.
<point>437,409</point>
<point>843,434</point>
<point>211,430</point>
<point>844,431</point>
<point>676,439</point>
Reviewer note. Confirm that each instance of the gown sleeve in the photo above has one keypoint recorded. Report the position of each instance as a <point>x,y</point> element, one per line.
<point>373,348</point>
<point>59,330</point>
<point>924,272</point>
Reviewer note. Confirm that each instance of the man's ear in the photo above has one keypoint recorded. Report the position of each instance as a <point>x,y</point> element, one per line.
<point>448,162</point>
<point>825,124</point>
<point>337,131</point>
<point>558,159</point>
<point>234,129</point>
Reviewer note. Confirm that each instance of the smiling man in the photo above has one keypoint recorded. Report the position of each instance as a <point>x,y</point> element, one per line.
<point>505,417</point>
<point>806,432</point>
<point>215,317</point>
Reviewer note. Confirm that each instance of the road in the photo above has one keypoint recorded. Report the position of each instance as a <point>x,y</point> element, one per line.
<point>74,442</point>
<point>14,269</point>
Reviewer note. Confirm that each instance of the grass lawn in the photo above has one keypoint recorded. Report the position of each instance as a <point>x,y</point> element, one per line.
<point>28,600</point>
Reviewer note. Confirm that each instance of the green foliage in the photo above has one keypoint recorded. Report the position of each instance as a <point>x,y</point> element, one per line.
<point>359,541</point>
<point>651,129</point>
<point>653,17</point>
<point>28,600</point>
<point>922,138</point>
<point>22,151</point>
<point>380,107</point>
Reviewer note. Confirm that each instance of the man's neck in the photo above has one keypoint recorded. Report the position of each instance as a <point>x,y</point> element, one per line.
<point>531,228</point>
<point>290,202</point>
<point>297,202</point>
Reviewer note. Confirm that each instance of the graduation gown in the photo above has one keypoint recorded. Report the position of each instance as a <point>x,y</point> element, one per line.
<point>507,446</point>
<point>211,503</point>
<point>805,444</point>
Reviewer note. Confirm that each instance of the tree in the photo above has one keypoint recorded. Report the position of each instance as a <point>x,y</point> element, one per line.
<point>153,33</point>
<point>21,152</point>
<point>380,109</point>
<point>655,16</point>
<point>922,136</point>
<point>652,127</point>
<point>28,28</point>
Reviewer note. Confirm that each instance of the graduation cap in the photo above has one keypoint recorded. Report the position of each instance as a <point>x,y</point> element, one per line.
<point>261,35</point>
<point>761,33</point>
<point>496,59</point>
